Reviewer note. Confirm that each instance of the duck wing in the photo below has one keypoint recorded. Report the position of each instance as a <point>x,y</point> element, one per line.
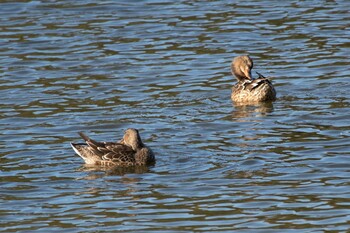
<point>92,144</point>
<point>98,148</point>
<point>263,78</point>
<point>257,82</point>
<point>89,141</point>
<point>118,153</point>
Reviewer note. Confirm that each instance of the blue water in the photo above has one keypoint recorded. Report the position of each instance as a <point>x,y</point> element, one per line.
<point>163,67</point>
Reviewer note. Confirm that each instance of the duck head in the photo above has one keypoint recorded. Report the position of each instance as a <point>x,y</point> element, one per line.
<point>132,139</point>
<point>241,67</point>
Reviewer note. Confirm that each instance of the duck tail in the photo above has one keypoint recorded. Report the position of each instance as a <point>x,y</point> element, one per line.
<point>77,149</point>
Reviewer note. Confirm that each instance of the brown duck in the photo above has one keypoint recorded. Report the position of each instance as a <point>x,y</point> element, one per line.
<point>249,90</point>
<point>129,151</point>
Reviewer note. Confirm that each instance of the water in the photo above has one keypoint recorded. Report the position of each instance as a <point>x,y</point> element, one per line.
<point>163,67</point>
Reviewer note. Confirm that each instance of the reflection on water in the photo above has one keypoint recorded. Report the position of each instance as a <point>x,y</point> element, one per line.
<point>243,111</point>
<point>164,68</point>
<point>117,171</point>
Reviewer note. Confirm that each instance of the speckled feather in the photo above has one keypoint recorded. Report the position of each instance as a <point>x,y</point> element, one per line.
<point>127,152</point>
<point>249,90</point>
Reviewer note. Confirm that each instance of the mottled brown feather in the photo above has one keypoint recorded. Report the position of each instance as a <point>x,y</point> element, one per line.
<point>126,152</point>
<point>249,90</point>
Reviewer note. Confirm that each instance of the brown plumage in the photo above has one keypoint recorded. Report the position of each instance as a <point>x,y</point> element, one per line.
<point>128,151</point>
<point>249,90</point>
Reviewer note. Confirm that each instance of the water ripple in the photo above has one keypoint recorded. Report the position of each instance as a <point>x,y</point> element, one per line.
<point>163,68</point>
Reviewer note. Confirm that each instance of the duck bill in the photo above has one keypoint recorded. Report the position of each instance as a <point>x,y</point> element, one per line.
<point>121,141</point>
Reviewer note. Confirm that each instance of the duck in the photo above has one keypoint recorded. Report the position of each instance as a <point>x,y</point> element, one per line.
<point>129,151</point>
<point>248,89</point>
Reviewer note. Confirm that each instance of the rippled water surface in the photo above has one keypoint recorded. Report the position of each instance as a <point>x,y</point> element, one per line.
<point>164,67</point>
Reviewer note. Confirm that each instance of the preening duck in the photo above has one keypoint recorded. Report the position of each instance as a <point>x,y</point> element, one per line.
<point>248,89</point>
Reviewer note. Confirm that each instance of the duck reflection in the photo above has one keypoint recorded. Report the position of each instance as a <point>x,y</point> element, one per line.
<point>126,185</point>
<point>251,110</point>
<point>96,172</point>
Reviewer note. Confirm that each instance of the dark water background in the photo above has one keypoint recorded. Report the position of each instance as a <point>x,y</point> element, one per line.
<point>163,67</point>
